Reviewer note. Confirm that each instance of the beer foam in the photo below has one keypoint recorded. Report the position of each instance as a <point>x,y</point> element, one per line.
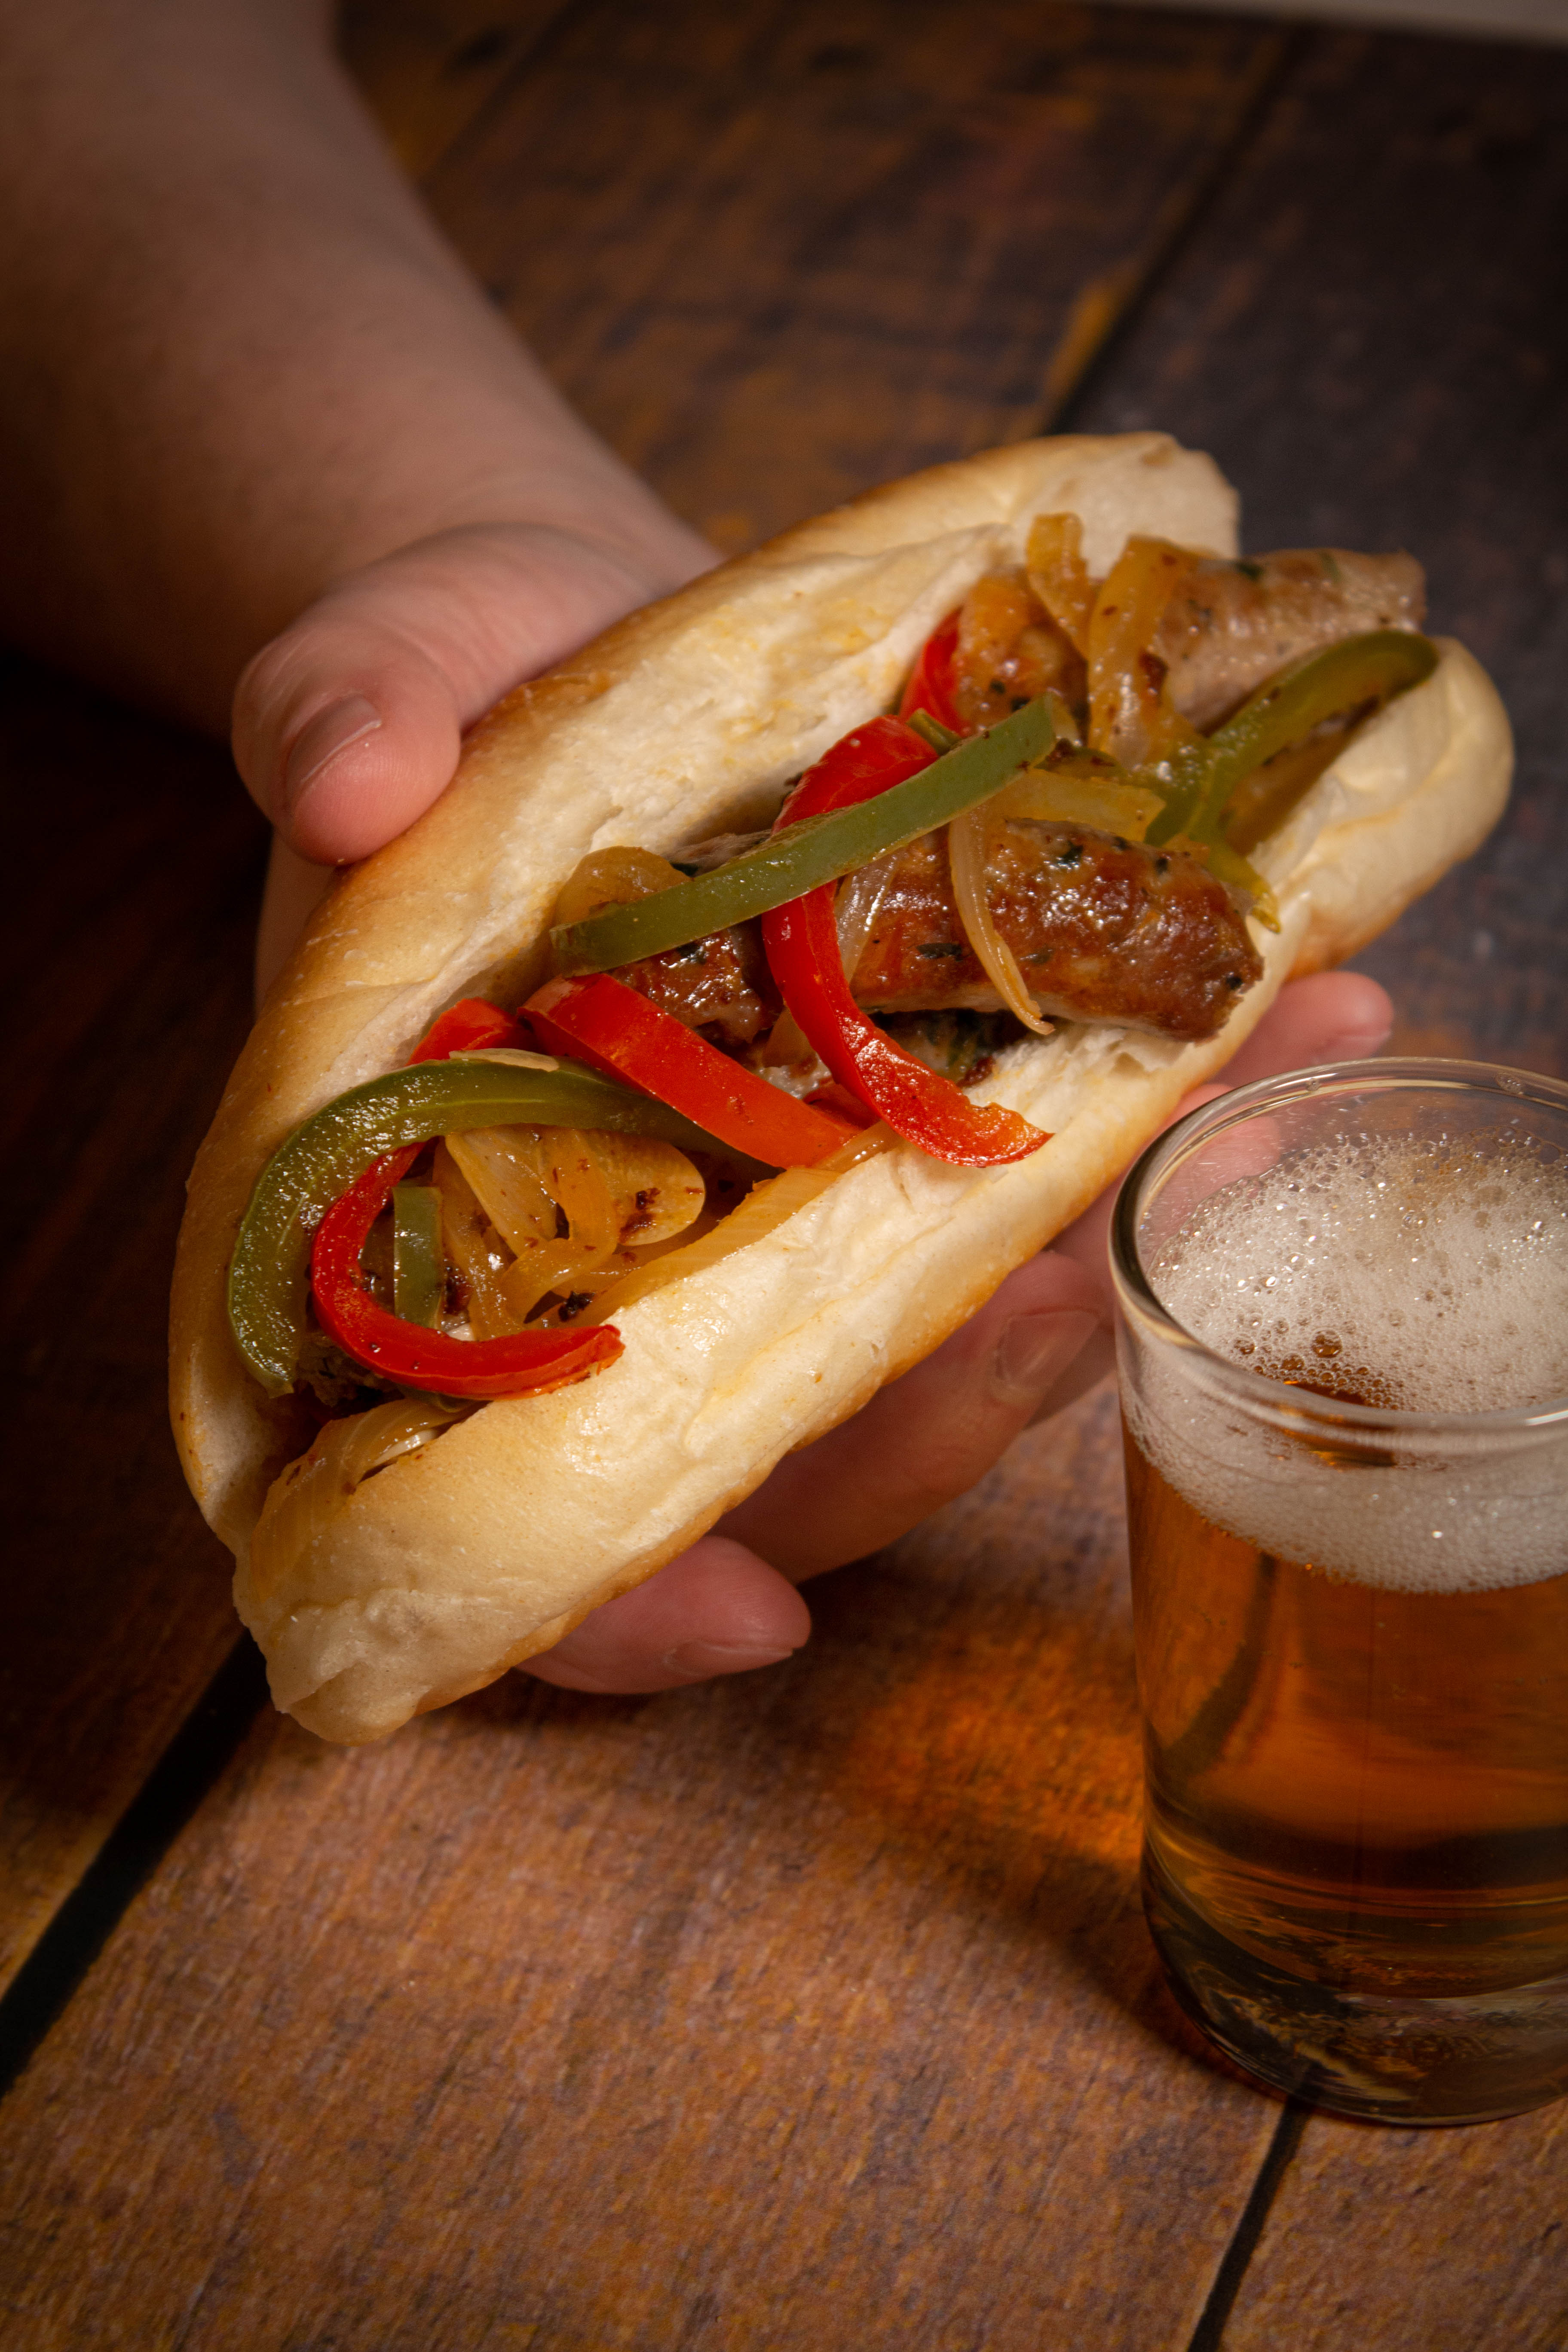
<point>1424,1278</point>
<point>1416,1276</point>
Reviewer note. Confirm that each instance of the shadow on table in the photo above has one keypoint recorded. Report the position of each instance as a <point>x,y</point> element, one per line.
<point>965,1718</point>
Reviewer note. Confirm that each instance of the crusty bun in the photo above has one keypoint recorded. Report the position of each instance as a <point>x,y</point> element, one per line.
<point>463,1558</point>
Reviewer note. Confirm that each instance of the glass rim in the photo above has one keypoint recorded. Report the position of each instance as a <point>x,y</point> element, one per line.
<point>1136,1296</point>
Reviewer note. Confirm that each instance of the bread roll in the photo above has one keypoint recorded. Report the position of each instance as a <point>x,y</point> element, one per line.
<point>486,1546</point>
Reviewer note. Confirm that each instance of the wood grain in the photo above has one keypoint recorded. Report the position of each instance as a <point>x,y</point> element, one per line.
<point>778,253</point>
<point>1371,334</point>
<point>808,2009</point>
<point>1406,2240</point>
<point>127,993</point>
<point>811,2009</point>
<point>429,67</point>
<point>136,863</point>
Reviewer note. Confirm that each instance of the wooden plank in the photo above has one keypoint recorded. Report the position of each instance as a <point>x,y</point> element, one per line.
<point>1368,335</point>
<point>781,252</point>
<point>1525,20</point>
<point>429,67</point>
<point>1398,2240</point>
<point>809,2009</point>
<point>135,861</point>
<point>128,980</point>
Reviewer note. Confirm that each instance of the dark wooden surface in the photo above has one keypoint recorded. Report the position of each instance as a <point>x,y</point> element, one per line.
<point>780,251</point>
<point>812,2009</point>
<point>126,994</point>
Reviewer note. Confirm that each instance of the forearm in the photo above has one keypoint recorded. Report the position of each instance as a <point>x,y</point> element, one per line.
<point>240,361</point>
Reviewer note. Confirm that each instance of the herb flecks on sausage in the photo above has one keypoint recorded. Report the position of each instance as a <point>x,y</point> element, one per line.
<point>1103,931</point>
<point>1229,626</point>
<point>1102,928</point>
<point>721,985</point>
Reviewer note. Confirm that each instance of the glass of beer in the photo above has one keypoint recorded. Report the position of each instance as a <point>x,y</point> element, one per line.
<point>1343,1353</point>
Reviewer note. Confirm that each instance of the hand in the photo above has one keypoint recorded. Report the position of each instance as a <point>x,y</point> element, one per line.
<point>730,1603</point>
<point>347,726</point>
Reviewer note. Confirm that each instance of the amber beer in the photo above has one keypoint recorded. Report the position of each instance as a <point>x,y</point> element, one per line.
<point>1348,1509</point>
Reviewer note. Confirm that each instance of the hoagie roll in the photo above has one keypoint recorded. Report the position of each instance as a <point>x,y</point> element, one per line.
<point>1094,931</point>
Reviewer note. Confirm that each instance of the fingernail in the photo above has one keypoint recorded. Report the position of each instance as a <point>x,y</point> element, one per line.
<point>321,739</point>
<point>1035,1350</point>
<point>724,1657</point>
<point>1358,1044</point>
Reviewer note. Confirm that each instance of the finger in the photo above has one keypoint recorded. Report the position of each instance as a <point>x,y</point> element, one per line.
<point>1334,1016</point>
<point>345,732</point>
<point>347,727</point>
<point>716,1609</point>
<point>926,1437</point>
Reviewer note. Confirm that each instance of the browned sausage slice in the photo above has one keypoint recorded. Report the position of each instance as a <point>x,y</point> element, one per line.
<point>1103,931</point>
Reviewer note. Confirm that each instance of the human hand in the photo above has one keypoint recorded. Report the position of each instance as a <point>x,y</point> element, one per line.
<point>730,1603</point>
<point>348,725</point>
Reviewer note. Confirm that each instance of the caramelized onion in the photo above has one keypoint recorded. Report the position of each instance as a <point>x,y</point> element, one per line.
<point>613,878</point>
<point>474,1246</point>
<point>656,1189</point>
<point>763,1208</point>
<point>1130,714</point>
<point>303,1501</point>
<point>504,1182</point>
<point>854,909</point>
<point>508,1189</point>
<point>617,1192</point>
<point>1058,576</point>
<point>763,1211</point>
<point>1085,791</point>
<point>966,853</point>
<point>870,1144</point>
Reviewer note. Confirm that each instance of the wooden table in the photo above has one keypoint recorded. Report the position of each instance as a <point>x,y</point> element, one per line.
<point>813,2009</point>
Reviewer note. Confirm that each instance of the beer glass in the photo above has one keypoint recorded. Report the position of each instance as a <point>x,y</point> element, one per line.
<point>1344,1355</point>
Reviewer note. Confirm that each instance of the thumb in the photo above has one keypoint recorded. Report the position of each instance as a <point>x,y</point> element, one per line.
<point>347,726</point>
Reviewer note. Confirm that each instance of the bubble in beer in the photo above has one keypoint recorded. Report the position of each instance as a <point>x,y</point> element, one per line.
<point>1421,1277</point>
<point>1413,1276</point>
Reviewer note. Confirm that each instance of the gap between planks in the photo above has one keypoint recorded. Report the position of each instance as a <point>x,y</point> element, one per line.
<point>1109,311</point>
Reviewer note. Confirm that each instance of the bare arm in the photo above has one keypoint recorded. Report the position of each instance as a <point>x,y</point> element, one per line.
<point>241,364</point>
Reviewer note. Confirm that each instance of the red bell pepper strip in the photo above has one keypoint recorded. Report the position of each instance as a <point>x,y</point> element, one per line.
<point>831,1095</point>
<point>524,1363</point>
<point>528,1363</point>
<point>802,943</point>
<point>931,682</point>
<point>610,1026</point>
<point>467,1028</point>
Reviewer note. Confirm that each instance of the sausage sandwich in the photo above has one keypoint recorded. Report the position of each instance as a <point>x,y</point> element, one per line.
<point>775,975</point>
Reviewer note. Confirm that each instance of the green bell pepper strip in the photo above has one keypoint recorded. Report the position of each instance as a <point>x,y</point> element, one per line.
<point>932,730</point>
<point>266,1281</point>
<point>418,1267</point>
<point>817,850</point>
<point>1373,668</point>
